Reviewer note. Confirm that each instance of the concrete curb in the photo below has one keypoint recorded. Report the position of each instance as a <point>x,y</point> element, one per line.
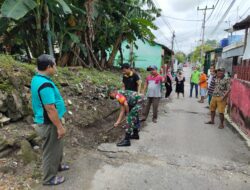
<point>237,128</point>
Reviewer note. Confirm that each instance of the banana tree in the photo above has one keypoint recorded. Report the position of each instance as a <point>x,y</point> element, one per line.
<point>30,13</point>
<point>131,22</point>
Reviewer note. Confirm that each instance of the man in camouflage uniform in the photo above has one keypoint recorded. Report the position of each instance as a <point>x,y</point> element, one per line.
<point>130,103</point>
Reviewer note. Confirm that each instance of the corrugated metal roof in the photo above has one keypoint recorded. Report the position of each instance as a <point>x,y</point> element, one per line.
<point>242,24</point>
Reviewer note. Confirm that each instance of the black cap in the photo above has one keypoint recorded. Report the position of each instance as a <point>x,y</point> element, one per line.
<point>44,60</point>
<point>125,66</point>
<point>152,67</point>
<point>221,69</point>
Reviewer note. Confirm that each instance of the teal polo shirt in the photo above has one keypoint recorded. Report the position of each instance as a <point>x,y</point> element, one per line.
<point>44,92</point>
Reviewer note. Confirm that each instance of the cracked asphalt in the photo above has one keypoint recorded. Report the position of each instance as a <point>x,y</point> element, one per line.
<point>180,152</point>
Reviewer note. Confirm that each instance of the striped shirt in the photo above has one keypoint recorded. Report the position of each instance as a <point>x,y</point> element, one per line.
<point>211,86</point>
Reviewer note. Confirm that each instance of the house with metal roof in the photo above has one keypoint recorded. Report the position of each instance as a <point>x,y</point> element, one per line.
<point>145,54</point>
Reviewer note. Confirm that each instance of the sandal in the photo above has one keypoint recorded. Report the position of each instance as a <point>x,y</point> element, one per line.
<point>63,167</point>
<point>209,123</point>
<point>221,127</point>
<point>57,180</point>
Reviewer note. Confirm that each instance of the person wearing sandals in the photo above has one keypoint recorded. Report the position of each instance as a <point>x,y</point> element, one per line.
<point>168,83</point>
<point>180,80</point>
<point>211,83</point>
<point>152,89</point>
<point>220,94</point>
<point>48,107</point>
<point>203,86</point>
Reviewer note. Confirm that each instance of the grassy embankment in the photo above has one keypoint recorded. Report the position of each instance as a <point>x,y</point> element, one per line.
<point>10,69</point>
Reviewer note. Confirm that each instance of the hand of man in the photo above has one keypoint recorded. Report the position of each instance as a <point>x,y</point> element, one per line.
<point>61,132</point>
<point>225,97</point>
<point>116,124</point>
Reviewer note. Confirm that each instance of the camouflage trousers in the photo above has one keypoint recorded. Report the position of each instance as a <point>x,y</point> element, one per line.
<point>133,121</point>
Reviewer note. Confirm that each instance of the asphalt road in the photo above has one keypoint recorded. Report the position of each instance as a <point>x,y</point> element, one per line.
<point>180,152</point>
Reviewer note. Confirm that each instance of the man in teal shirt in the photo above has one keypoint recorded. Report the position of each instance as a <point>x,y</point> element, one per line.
<point>194,81</point>
<point>48,107</point>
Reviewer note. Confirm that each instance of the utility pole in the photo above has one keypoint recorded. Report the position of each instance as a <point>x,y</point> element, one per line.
<point>172,48</point>
<point>203,27</point>
<point>172,43</point>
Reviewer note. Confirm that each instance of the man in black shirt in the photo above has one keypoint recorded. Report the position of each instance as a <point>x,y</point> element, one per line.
<point>131,81</point>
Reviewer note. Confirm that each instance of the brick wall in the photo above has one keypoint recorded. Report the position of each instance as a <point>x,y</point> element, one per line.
<point>239,104</point>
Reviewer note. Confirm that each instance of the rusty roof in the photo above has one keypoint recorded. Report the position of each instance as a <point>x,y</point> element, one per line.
<point>242,24</point>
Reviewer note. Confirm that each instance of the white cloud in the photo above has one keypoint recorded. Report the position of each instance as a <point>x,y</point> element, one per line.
<point>183,5</point>
<point>188,33</point>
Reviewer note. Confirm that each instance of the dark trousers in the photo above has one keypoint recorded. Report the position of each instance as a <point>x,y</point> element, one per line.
<point>209,99</point>
<point>52,151</point>
<point>168,91</point>
<point>155,101</point>
<point>196,89</point>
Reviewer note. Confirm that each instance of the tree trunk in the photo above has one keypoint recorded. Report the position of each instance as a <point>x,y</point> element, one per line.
<point>103,58</point>
<point>27,50</point>
<point>38,43</point>
<point>46,23</point>
<point>114,51</point>
<point>91,55</point>
<point>131,54</point>
<point>91,64</point>
<point>64,59</point>
<point>121,53</point>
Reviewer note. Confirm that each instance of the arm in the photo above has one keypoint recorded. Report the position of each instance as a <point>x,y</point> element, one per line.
<point>54,118</point>
<point>121,115</point>
<point>126,107</point>
<point>227,92</point>
<point>145,87</point>
<point>226,95</point>
<point>163,79</point>
<point>123,86</point>
<point>139,86</point>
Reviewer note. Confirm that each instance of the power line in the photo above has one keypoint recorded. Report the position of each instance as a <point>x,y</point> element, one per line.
<point>165,21</point>
<point>219,10</point>
<point>164,36</point>
<point>245,12</point>
<point>224,16</point>
<point>180,19</point>
<point>212,10</point>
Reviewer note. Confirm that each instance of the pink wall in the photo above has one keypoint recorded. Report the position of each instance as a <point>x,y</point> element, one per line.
<point>239,106</point>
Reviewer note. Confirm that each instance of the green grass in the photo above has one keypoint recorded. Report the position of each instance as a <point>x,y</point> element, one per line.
<point>81,75</point>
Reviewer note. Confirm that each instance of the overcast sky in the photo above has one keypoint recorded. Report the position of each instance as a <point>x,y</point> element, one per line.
<point>188,33</point>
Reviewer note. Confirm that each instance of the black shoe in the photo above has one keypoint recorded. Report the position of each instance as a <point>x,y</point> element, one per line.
<point>135,135</point>
<point>124,142</point>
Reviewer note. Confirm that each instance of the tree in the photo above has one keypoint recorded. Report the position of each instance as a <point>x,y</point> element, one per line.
<point>180,56</point>
<point>28,21</point>
<point>196,54</point>
<point>79,32</point>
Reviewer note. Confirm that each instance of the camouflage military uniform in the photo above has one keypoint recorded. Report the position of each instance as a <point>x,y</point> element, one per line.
<point>134,101</point>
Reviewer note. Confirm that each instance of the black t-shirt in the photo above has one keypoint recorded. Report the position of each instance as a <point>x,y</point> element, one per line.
<point>130,82</point>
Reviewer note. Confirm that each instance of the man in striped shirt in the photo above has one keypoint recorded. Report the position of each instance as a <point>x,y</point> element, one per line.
<point>211,83</point>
